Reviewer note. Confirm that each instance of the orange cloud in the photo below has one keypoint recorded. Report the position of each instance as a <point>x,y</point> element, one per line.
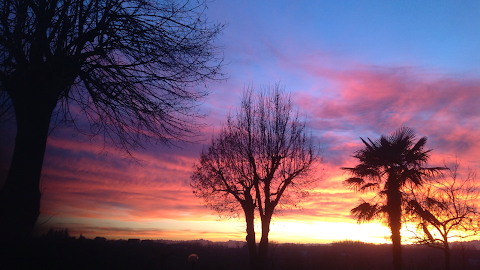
<point>82,183</point>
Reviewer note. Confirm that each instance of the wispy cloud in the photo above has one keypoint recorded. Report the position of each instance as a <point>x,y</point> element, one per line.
<point>363,101</point>
<point>339,92</point>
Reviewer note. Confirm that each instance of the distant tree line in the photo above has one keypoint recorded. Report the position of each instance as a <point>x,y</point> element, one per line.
<point>55,251</point>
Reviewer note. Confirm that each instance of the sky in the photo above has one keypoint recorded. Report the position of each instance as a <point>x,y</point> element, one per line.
<point>354,68</point>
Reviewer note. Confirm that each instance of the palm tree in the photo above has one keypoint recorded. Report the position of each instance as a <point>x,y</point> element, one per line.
<point>387,165</point>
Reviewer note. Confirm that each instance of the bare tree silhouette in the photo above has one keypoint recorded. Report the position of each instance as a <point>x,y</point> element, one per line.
<point>387,165</point>
<point>129,68</point>
<point>444,209</point>
<point>264,157</point>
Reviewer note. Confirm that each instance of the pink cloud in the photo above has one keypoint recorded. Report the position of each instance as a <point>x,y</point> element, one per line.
<point>340,106</point>
<point>79,183</point>
<point>373,101</point>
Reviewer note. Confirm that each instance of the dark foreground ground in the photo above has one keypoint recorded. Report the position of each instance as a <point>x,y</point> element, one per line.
<point>71,253</point>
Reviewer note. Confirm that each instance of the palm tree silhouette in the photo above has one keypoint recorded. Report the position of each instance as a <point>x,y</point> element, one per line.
<point>387,165</point>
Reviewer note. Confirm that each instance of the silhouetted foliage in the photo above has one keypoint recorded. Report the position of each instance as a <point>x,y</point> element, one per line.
<point>387,165</point>
<point>262,159</point>
<point>129,68</point>
<point>445,208</point>
<point>57,234</point>
<point>89,254</point>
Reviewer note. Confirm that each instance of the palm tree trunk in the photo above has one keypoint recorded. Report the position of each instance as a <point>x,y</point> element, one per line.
<point>20,196</point>
<point>396,247</point>
<point>395,215</point>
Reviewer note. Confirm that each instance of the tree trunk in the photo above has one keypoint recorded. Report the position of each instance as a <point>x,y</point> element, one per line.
<point>397,247</point>
<point>263,246</point>
<point>395,215</point>
<point>251,244</point>
<point>20,196</point>
<point>464,262</point>
<point>446,251</point>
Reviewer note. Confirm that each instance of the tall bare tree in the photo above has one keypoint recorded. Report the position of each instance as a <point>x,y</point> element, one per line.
<point>445,208</point>
<point>262,159</point>
<point>129,67</point>
<point>387,165</point>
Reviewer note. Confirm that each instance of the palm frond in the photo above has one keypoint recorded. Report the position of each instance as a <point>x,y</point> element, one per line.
<point>434,203</point>
<point>348,169</point>
<point>354,182</point>
<point>365,212</point>
<point>403,134</point>
<point>369,146</point>
<point>419,145</point>
<point>382,193</point>
<point>427,232</point>
<point>433,171</point>
<point>414,175</point>
<point>359,184</point>
<point>383,142</point>
<point>423,213</point>
<point>365,170</point>
<point>369,187</point>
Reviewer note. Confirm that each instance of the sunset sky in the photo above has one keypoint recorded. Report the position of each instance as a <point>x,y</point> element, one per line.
<point>355,68</point>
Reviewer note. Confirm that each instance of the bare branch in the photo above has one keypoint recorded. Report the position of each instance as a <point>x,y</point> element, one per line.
<point>264,158</point>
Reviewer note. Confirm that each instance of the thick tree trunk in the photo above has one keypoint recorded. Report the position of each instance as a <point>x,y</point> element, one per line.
<point>446,251</point>
<point>396,247</point>
<point>263,246</point>
<point>20,196</point>
<point>252,246</point>
<point>395,215</point>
